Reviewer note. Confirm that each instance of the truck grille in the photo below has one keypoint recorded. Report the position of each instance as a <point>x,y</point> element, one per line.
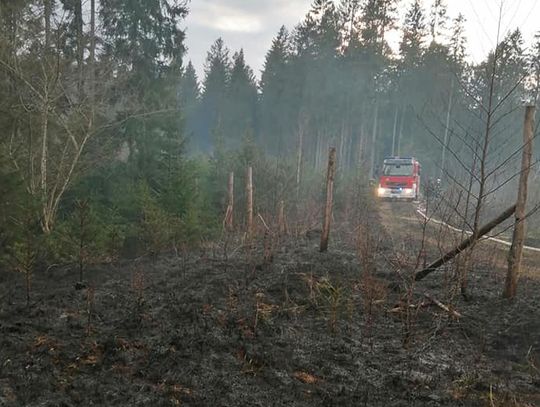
<point>396,185</point>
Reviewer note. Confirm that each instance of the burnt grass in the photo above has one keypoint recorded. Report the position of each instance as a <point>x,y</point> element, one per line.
<point>306,329</point>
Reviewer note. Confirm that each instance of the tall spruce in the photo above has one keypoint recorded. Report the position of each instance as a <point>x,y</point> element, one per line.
<point>143,40</point>
<point>414,34</point>
<point>189,98</point>
<point>214,95</point>
<point>240,114</point>
<point>438,20</point>
<point>378,17</point>
<point>458,41</point>
<point>274,113</point>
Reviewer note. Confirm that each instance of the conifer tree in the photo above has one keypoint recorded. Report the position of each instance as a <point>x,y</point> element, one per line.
<point>274,112</point>
<point>188,98</point>
<point>458,42</point>
<point>414,33</point>
<point>437,19</point>
<point>214,95</point>
<point>242,96</point>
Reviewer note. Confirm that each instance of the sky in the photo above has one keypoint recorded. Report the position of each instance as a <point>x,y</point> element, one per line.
<point>252,24</point>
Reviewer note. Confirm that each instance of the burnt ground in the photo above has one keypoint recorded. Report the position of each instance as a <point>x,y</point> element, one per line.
<point>307,329</point>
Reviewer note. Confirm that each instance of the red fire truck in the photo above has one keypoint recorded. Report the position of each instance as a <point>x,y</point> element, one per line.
<point>400,179</point>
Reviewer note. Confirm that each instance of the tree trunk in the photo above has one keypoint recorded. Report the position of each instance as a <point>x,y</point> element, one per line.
<point>329,199</point>
<point>249,194</point>
<point>47,10</point>
<point>394,133</point>
<point>446,129</point>
<point>465,244</point>
<point>400,133</point>
<point>518,239</point>
<point>374,141</point>
<point>80,45</point>
<point>45,222</point>
<point>92,51</point>
<point>281,218</point>
<point>229,218</point>
<point>300,149</point>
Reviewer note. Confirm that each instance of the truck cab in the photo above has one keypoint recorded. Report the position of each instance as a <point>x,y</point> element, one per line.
<point>399,179</point>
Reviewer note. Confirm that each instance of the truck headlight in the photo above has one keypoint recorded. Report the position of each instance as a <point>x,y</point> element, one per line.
<point>381,191</point>
<point>408,191</point>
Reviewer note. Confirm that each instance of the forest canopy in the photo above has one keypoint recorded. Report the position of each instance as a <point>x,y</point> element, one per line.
<point>103,117</point>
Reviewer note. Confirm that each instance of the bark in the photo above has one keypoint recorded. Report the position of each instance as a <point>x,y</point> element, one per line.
<point>299,157</point>
<point>518,239</point>
<point>374,141</point>
<point>281,218</point>
<point>446,129</point>
<point>44,163</point>
<point>229,217</point>
<point>92,51</point>
<point>249,194</point>
<point>80,45</point>
<point>329,200</point>
<point>465,244</point>
<point>394,131</point>
<point>400,134</point>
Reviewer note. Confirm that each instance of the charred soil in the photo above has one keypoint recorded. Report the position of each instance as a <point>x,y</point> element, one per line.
<point>306,329</point>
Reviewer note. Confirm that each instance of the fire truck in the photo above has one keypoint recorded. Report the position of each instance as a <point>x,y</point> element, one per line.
<point>400,179</point>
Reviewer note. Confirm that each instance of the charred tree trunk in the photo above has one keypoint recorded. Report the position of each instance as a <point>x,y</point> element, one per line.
<point>281,218</point>
<point>518,239</point>
<point>249,194</point>
<point>299,158</point>
<point>229,217</point>
<point>329,199</point>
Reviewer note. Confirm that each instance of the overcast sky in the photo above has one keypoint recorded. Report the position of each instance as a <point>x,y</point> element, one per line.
<point>252,24</point>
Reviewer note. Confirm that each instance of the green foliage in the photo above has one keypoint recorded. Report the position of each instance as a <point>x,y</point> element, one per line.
<point>322,83</point>
<point>157,228</point>
<point>102,235</point>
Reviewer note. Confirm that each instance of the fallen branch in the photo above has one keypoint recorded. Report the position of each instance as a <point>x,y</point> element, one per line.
<point>465,244</point>
<point>263,222</point>
<point>439,304</point>
<point>403,308</point>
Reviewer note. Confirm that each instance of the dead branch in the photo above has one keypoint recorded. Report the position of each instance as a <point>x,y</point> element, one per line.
<point>466,243</point>
<point>439,304</point>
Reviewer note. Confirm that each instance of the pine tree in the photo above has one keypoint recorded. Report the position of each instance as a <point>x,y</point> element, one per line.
<point>188,98</point>
<point>378,17</point>
<point>414,33</point>
<point>275,110</point>
<point>143,39</point>
<point>348,12</point>
<point>242,97</point>
<point>438,19</point>
<point>214,95</point>
<point>141,34</point>
<point>512,66</point>
<point>458,42</point>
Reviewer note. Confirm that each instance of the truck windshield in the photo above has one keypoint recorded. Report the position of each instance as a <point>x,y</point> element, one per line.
<point>403,170</point>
